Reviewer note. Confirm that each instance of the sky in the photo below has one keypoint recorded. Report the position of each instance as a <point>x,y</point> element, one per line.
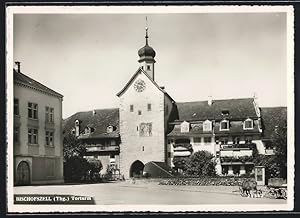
<point>89,58</point>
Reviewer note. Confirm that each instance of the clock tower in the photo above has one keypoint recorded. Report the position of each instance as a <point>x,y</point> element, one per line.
<point>144,111</point>
<point>147,55</point>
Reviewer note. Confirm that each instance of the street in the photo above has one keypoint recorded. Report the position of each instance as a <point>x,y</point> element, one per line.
<point>149,193</point>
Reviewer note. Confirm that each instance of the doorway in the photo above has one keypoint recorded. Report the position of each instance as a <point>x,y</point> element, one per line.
<point>136,169</point>
<point>23,173</point>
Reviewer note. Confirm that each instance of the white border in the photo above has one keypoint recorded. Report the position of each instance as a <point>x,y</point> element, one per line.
<point>11,10</point>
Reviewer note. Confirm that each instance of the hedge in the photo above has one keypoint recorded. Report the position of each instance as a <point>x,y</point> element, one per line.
<point>205,181</point>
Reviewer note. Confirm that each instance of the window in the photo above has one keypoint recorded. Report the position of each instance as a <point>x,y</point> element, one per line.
<point>224,141</point>
<point>49,115</point>
<point>149,107</point>
<point>225,170</point>
<point>143,148</point>
<point>148,67</point>
<point>207,125</point>
<point>224,125</point>
<point>170,141</point>
<point>248,140</point>
<point>131,108</point>
<point>49,138</point>
<point>16,106</point>
<point>185,126</point>
<point>109,129</point>
<point>236,140</point>
<point>248,124</point>
<point>139,112</point>
<point>146,129</point>
<point>16,134</point>
<point>217,153</point>
<point>207,139</point>
<point>197,139</point>
<point>32,136</point>
<point>225,112</point>
<point>112,156</point>
<point>169,154</point>
<point>112,142</point>
<point>32,110</point>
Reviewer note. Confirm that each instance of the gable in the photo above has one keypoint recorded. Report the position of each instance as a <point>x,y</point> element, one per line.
<point>139,74</point>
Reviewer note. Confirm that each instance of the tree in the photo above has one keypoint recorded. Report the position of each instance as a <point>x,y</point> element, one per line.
<point>275,165</point>
<point>279,142</point>
<point>72,147</point>
<point>75,166</point>
<point>179,163</point>
<point>201,163</point>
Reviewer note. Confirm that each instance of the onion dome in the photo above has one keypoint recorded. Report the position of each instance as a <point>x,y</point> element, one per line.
<point>146,52</point>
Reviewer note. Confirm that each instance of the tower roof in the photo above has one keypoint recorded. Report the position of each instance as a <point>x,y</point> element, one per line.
<point>146,52</point>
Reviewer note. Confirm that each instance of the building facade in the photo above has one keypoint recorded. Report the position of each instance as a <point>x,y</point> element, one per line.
<point>38,147</point>
<point>153,128</point>
<point>98,131</point>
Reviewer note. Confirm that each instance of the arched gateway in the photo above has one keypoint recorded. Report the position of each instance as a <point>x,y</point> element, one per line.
<point>136,168</point>
<point>23,174</point>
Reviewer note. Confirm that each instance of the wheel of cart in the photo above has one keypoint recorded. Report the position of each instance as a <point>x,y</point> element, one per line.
<point>276,188</point>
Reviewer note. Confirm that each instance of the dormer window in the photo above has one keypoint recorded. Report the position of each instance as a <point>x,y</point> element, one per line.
<point>185,127</point>
<point>148,67</point>
<point>110,129</point>
<point>207,125</point>
<point>87,130</point>
<point>248,124</point>
<point>224,125</point>
<point>225,112</point>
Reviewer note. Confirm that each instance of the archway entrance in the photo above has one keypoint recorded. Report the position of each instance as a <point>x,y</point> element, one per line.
<point>136,169</point>
<point>23,174</point>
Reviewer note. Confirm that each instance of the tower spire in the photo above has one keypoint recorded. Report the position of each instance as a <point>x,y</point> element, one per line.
<point>146,31</point>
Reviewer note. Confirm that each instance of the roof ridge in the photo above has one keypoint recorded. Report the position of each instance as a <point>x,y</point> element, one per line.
<point>271,107</point>
<point>112,108</point>
<point>227,99</point>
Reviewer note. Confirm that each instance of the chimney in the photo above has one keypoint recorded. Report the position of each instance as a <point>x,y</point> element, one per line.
<point>77,130</point>
<point>17,66</point>
<point>94,112</point>
<point>210,100</point>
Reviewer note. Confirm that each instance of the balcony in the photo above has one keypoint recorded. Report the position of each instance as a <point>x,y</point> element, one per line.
<point>235,152</point>
<point>103,148</point>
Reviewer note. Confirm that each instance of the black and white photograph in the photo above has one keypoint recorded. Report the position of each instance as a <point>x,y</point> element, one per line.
<point>150,108</point>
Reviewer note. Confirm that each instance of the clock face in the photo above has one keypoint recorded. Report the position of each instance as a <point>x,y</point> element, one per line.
<point>139,85</point>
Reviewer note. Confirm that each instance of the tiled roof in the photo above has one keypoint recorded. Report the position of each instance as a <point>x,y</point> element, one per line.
<point>200,110</point>
<point>99,120</point>
<point>272,117</point>
<point>22,78</point>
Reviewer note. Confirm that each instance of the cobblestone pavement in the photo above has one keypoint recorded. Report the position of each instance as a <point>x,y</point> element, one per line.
<point>139,192</point>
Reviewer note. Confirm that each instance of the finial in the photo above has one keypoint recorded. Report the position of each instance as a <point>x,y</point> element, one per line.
<point>146,31</point>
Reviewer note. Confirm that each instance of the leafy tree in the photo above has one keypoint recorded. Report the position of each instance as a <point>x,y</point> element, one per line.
<point>201,163</point>
<point>275,165</point>
<point>72,147</point>
<point>279,142</point>
<point>179,163</point>
<point>75,166</point>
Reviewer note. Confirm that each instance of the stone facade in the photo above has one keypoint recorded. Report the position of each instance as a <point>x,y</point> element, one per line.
<point>135,144</point>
